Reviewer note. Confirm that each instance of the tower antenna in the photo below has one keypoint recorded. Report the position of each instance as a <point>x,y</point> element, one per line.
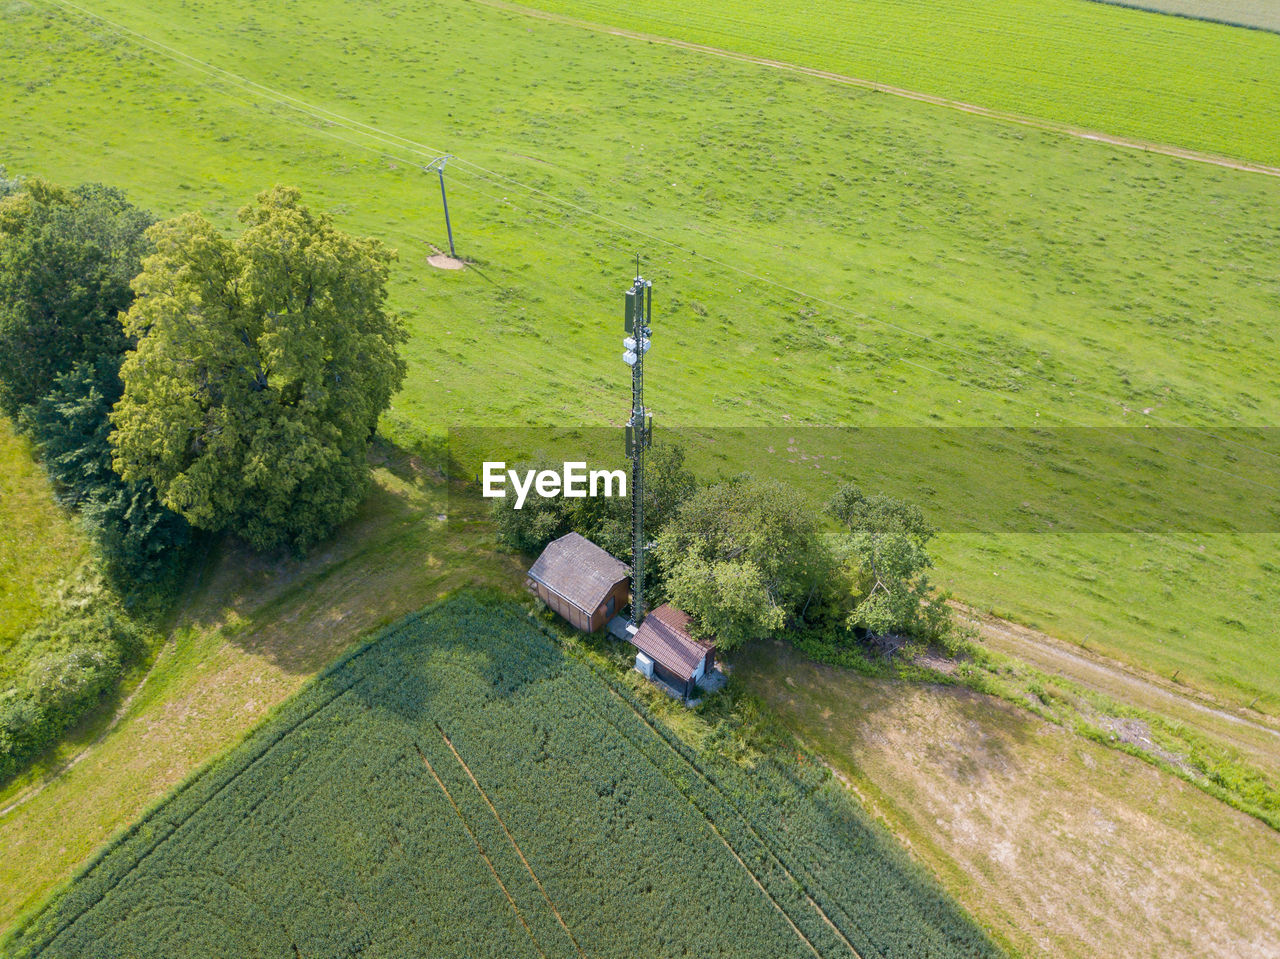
<point>637,314</point>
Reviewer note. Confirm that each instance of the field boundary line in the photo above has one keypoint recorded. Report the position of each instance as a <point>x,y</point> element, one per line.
<point>751,829</point>
<point>480,848</point>
<point>990,113</point>
<point>210,768</point>
<point>715,829</point>
<point>159,841</point>
<point>510,838</point>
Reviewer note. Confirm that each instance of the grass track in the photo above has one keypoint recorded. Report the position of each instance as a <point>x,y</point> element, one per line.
<point>1121,71</point>
<point>1003,116</point>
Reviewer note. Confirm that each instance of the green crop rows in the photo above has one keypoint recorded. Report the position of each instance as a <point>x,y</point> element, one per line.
<point>461,773</point>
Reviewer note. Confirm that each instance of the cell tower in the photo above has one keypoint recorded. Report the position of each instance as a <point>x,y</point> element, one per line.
<point>637,314</point>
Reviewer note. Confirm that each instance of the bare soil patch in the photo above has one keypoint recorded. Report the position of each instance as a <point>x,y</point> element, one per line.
<point>1058,845</point>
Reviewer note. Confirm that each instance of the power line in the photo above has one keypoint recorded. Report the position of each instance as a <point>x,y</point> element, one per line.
<point>371,131</point>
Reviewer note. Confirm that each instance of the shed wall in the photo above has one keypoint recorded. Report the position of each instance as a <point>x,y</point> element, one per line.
<point>576,617</point>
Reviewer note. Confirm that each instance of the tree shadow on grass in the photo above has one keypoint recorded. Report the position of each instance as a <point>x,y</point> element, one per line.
<point>456,657</point>
<point>413,539</point>
<point>843,711</point>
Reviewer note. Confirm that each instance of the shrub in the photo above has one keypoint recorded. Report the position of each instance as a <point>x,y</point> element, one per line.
<point>140,541</point>
<point>68,664</point>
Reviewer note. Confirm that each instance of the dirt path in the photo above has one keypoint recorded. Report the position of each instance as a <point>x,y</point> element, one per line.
<point>1252,734</point>
<point>1062,847</point>
<point>1051,126</point>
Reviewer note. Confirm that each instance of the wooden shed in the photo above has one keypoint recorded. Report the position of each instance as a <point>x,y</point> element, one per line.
<point>580,581</point>
<point>668,652</point>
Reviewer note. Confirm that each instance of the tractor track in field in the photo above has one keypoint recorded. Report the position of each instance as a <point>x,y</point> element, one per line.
<point>990,113</point>
<point>764,844</point>
<point>714,828</point>
<point>480,849</point>
<point>510,838</point>
<point>1124,683</point>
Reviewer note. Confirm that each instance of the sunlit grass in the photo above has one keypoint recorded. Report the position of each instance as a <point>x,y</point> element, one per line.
<point>822,255</point>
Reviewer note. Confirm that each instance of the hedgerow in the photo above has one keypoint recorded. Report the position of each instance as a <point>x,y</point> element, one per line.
<point>63,668</point>
<point>461,787</point>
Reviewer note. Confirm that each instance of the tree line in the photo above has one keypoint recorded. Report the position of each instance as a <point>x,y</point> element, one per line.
<point>178,383</point>
<point>751,558</point>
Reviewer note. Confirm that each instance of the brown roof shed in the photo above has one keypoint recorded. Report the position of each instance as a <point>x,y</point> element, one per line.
<point>577,571</point>
<point>664,637</point>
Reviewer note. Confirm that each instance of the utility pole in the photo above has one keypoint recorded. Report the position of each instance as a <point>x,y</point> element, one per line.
<point>438,165</point>
<point>637,314</point>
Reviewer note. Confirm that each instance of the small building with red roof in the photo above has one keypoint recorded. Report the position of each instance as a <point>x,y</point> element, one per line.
<point>668,652</point>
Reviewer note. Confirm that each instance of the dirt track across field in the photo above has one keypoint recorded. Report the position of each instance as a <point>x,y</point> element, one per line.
<point>1254,734</point>
<point>1039,123</point>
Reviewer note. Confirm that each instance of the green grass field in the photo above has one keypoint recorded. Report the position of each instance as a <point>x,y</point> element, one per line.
<point>1119,71</point>
<point>461,767</point>
<point>823,255</point>
<point>39,543</point>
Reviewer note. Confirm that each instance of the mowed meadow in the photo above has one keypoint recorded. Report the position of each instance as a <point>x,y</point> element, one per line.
<point>823,255</point>
<point>39,542</point>
<point>1118,71</point>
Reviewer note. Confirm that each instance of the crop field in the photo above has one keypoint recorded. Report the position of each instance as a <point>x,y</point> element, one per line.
<point>459,767</point>
<point>1119,71</point>
<point>1255,14</point>
<point>823,255</point>
<point>249,632</point>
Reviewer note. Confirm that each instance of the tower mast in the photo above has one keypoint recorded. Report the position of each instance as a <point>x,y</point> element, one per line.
<point>636,318</point>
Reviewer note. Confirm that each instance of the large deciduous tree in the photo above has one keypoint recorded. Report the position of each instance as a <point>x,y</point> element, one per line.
<point>261,367</point>
<point>744,558</point>
<point>66,260</point>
